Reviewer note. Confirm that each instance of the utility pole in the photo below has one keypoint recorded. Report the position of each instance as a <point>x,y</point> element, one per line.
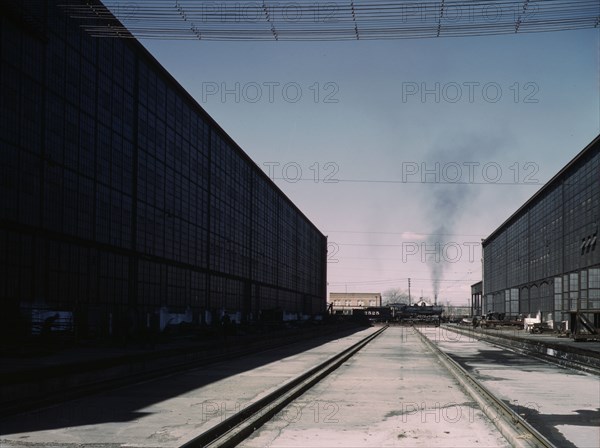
<point>409,301</point>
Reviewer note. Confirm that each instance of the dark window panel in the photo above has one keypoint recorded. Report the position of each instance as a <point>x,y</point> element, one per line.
<point>9,181</point>
<point>103,155</point>
<point>71,136</point>
<point>10,101</point>
<point>87,145</point>
<point>29,188</point>
<point>53,197</point>
<point>85,208</point>
<point>70,202</point>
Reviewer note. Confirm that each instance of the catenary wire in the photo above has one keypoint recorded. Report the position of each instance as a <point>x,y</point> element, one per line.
<point>306,20</point>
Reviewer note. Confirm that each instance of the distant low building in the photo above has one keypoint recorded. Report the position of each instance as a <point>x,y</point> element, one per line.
<point>345,302</point>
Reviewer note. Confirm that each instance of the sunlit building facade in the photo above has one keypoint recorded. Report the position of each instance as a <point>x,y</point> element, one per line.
<point>545,257</point>
<point>120,195</point>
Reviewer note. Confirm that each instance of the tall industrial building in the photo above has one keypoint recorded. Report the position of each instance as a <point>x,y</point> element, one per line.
<point>120,196</point>
<point>545,256</point>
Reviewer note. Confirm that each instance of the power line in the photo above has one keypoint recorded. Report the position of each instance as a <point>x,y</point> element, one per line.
<point>307,20</point>
<point>397,245</point>
<point>402,233</point>
<point>408,181</point>
<point>374,282</point>
<point>367,259</point>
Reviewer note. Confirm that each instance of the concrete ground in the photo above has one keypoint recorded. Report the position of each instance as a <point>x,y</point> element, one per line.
<point>39,374</point>
<point>169,411</point>
<point>393,392</point>
<point>561,403</point>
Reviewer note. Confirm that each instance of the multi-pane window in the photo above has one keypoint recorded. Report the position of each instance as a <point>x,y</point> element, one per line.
<point>594,288</point>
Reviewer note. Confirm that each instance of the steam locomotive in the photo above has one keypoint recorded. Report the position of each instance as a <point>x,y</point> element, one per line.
<point>400,312</point>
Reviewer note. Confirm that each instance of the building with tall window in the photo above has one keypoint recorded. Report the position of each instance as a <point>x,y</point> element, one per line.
<point>476,290</point>
<point>122,198</point>
<point>545,256</point>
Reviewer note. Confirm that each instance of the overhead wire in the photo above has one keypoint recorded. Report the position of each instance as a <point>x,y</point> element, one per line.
<point>307,20</point>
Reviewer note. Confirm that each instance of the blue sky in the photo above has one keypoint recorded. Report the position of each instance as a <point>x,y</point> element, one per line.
<point>527,104</point>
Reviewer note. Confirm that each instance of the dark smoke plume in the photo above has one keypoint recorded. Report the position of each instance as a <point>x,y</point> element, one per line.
<point>447,201</point>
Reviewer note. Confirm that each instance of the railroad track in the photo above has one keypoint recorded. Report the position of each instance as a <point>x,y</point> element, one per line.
<point>511,425</point>
<point>552,359</point>
<point>241,425</point>
<point>57,384</point>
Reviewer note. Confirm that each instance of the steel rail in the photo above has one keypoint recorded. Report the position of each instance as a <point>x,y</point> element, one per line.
<point>241,425</point>
<point>91,377</point>
<point>511,425</point>
<point>550,359</point>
